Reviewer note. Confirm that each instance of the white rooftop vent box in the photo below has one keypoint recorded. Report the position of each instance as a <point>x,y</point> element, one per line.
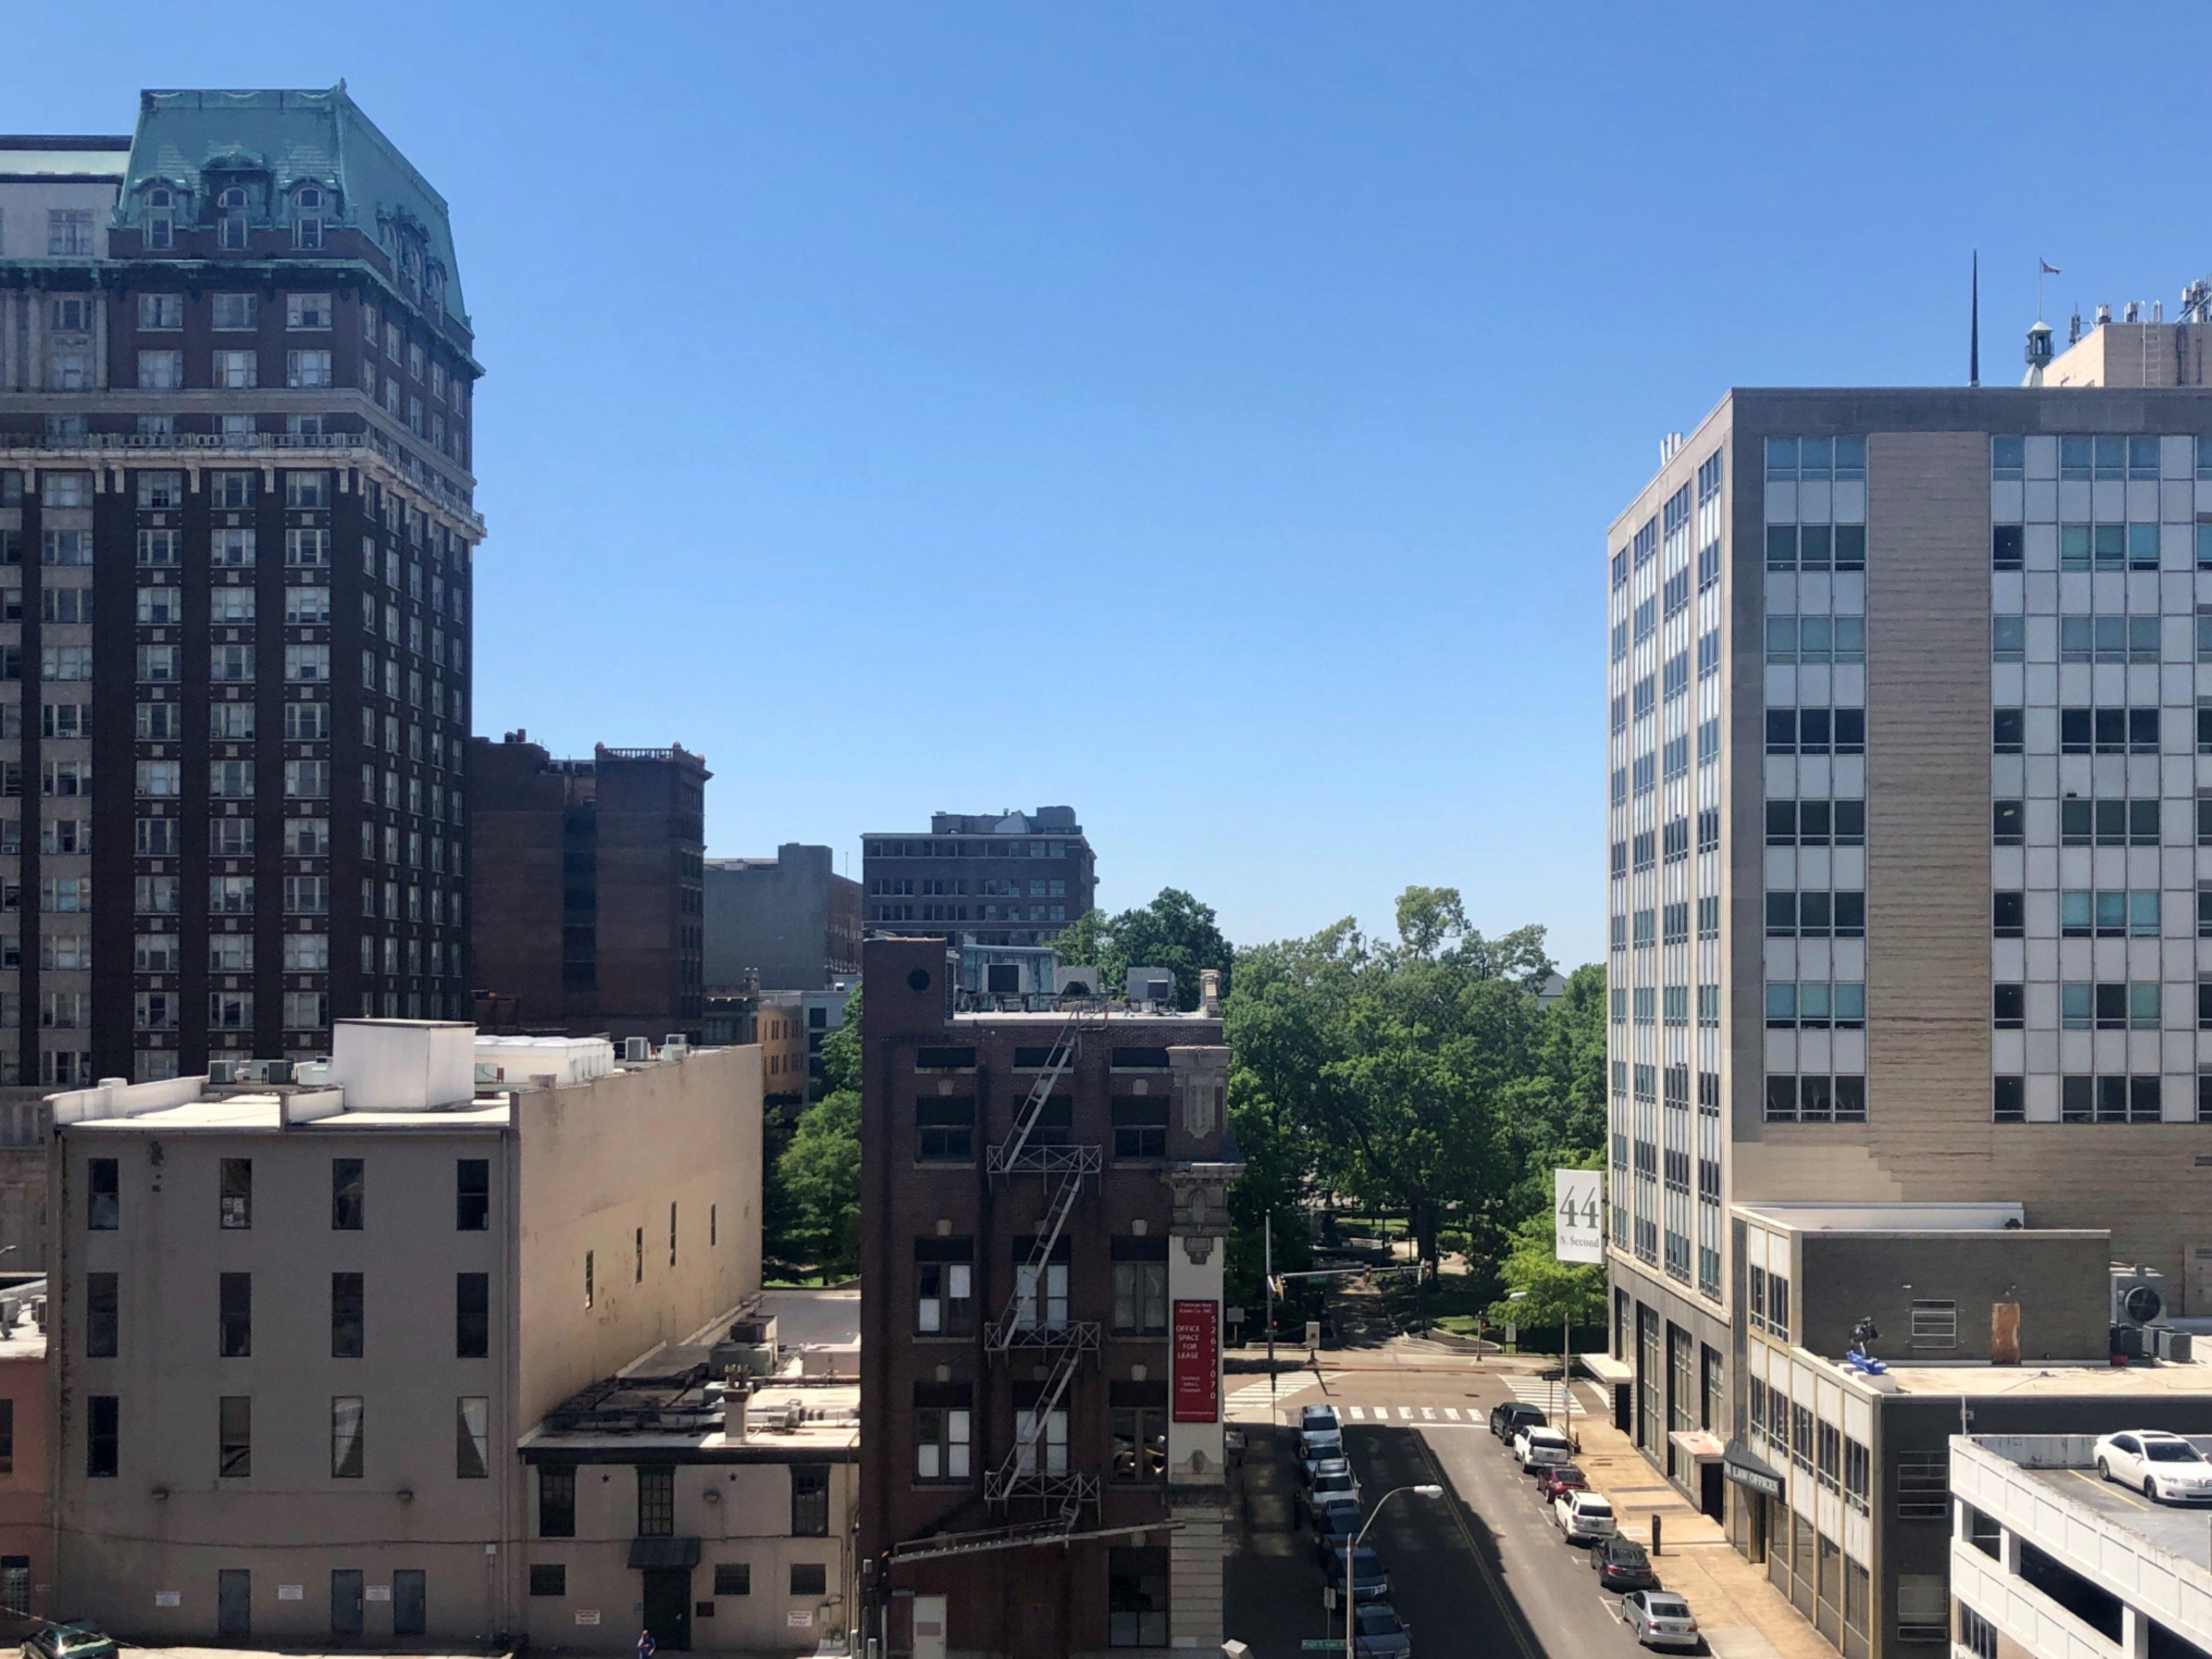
<point>1078,982</point>
<point>1149,985</point>
<point>403,1065</point>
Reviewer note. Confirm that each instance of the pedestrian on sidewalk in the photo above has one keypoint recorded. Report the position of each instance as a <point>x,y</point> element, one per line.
<point>646,1645</point>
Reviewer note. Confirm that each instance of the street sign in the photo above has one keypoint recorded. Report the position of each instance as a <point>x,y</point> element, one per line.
<point>1313,1333</point>
<point>1578,1212</point>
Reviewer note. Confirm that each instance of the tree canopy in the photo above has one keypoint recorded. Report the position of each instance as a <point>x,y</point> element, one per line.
<point>1175,931</point>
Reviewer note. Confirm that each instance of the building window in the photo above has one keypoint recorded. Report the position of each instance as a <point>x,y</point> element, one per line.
<point>944,1293</point>
<point>230,221</point>
<point>656,1501</point>
<point>103,1210</point>
<point>471,1315</point>
<point>235,1193</point>
<point>548,1578</point>
<point>1141,1298</point>
<point>810,1578</point>
<point>100,1321</point>
<point>472,1437</point>
<point>809,1500</point>
<point>1137,1598</point>
<point>941,1443</point>
<point>557,1500</point>
<point>734,1578</point>
<point>69,233</point>
<point>103,1437</point>
<point>346,1436</point>
<point>1140,1450</point>
<point>1977,1634</point>
<point>234,1436</point>
<point>945,1129</point>
<point>347,1321</point>
<point>1140,1127</point>
<point>234,1316</point>
<point>473,1201</point>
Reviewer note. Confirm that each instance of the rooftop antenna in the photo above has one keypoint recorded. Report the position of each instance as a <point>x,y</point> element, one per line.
<point>1974,326</point>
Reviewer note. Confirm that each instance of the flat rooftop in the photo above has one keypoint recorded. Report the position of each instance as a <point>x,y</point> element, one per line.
<point>2090,1379</point>
<point>274,1110</point>
<point>2004,1215</point>
<point>669,1399</point>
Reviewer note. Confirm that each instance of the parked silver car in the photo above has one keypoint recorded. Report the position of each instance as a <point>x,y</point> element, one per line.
<point>1659,1619</point>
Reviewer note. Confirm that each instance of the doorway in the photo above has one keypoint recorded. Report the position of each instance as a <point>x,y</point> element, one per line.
<point>1712,1494</point>
<point>411,1602</point>
<point>668,1608</point>
<point>234,1602</point>
<point>345,1601</point>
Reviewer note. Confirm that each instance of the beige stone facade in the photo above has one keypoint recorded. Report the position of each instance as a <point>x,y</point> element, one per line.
<point>250,1444</point>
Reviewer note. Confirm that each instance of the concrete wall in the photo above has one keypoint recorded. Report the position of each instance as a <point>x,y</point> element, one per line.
<point>748,1521</point>
<point>2060,1280</point>
<point>791,920</point>
<point>602,1163</point>
<point>166,1522</point>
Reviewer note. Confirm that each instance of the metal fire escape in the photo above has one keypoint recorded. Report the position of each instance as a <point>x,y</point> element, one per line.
<point>1025,1329</point>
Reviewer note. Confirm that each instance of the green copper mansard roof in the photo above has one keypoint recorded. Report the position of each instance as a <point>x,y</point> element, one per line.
<point>292,138</point>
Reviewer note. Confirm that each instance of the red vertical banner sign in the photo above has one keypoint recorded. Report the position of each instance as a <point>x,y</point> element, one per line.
<point>1197,1362</point>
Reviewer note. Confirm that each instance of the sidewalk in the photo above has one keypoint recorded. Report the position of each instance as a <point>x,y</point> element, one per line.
<point>1742,1615</point>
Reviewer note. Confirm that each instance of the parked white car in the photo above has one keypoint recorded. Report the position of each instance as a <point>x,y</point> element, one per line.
<point>2164,1467</point>
<point>1659,1619</point>
<point>1536,1446</point>
<point>1330,1490</point>
<point>1315,1444</point>
<point>1584,1516</point>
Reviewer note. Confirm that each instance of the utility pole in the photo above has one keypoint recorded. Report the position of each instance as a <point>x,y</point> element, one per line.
<point>1267,1267</point>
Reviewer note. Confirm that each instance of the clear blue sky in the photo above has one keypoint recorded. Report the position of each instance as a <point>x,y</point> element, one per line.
<point>1206,416</point>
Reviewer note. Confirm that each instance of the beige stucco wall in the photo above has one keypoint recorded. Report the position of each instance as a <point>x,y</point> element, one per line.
<point>165,1521</point>
<point>749,1520</point>
<point>602,1161</point>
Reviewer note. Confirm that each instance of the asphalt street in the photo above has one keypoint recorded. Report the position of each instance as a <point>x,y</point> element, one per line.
<point>1480,1574</point>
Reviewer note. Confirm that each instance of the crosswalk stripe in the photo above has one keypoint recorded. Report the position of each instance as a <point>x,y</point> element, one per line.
<point>1406,1413</point>
<point>1428,1414</point>
<point>1452,1412</point>
<point>1356,1414</point>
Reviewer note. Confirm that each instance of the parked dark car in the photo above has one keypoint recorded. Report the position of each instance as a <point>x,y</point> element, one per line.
<point>1559,1477</point>
<point>1621,1564</point>
<point>1370,1582</point>
<point>1333,1528</point>
<point>1509,1419</point>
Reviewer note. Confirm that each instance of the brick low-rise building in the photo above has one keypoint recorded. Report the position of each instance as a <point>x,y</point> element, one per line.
<point>1043,1233</point>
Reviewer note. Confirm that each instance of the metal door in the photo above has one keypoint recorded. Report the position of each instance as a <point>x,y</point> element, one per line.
<point>345,1601</point>
<point>928,1627</point>
<point>411,1602</point>
<point>234,1602</point>
<point>668,1607</point>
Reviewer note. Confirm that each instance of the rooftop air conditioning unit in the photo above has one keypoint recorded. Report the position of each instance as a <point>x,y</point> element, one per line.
<point>1149,985</point>
<point>639,1049</point>
<point>1003,979</point>
<point>1077,981</point>
<point>2139,1295</point>
<point>222,1071</point>
<point>275,1071</point>
<point>675,1046</point>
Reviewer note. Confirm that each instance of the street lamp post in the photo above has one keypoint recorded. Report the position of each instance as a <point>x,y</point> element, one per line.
<point>1353,1549</point>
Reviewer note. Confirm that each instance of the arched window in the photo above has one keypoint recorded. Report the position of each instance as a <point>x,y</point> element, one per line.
<point>230,221</point>
<point>161,218</point>
<point>307,217</point>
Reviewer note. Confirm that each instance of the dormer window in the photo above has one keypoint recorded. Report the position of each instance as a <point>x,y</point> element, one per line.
<point>160,219</point>
<point>307,217</point>
<point>230,221</point>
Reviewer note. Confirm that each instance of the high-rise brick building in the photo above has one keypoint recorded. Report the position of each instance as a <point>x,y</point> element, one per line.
<point>235,535</point>
<point>590,908</point>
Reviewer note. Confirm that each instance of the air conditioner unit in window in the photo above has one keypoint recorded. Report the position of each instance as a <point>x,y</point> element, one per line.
<point>2139,1295</point>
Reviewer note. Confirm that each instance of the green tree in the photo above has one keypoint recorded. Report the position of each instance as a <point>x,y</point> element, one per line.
<point>1175,931</point>
<point>1554,1290</point>
<point>811,1179</point>
<point>820,1175</point>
